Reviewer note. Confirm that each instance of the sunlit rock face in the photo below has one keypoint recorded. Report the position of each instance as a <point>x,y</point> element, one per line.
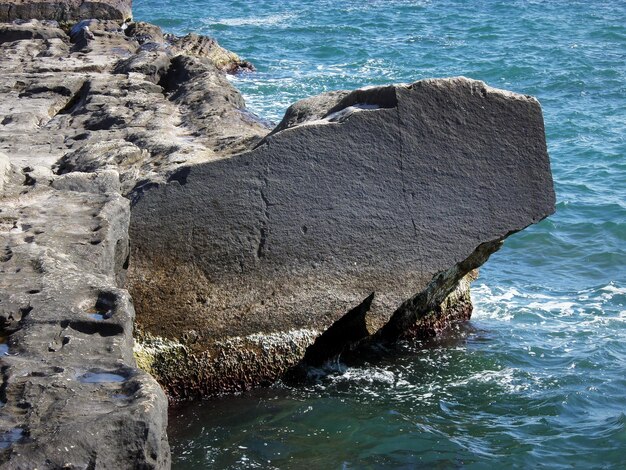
<point>400,190</point>
<point>64,10</point>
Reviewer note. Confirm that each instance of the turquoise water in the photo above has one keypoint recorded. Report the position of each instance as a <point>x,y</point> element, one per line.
<point>538,377</point>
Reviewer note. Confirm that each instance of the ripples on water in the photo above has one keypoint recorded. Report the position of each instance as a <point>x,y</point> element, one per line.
<point>538,377</point>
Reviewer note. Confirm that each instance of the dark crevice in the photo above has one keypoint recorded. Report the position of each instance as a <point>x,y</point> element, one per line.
<point>13,322</point>
<point>440,287</point>
<point>121,258</point>
<point>180,176</point>
<point>24,312</point>
<point>6,254</point>
<point>182,69</point>
<point>93,458</point>
<point>38,90</point>
<point>76,100</point>
<point>4,384</point>
<point>349,338</point>
<point>29,180</point>
<point>106,302</point>
<point>264,230</point>
<point>262,240</point>
<point>100,121</point>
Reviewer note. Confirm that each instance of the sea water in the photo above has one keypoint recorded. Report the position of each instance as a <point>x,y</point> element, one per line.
<point>538,377</point>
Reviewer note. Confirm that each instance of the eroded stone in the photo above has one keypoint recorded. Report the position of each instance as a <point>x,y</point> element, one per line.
<point>64,10</point>
<point>401,191</point>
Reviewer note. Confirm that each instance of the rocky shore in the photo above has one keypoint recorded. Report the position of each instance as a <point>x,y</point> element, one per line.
<point>152,228</point>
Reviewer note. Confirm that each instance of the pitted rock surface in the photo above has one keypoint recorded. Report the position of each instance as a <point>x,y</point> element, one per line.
<point>65,10</point>
<point>84,120</point>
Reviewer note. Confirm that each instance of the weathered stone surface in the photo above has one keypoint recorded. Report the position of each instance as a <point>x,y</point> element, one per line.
<point>64,10</point>
<point>97,107</point>
<point>68,332</point>
<point>248,246</point>
<point>145,32</point>
<point>100,181</point>
<point>212,106</point>
<point>5,168</point>
<point>153,64</point>
<point>196,45</point>
<point>399,190</point>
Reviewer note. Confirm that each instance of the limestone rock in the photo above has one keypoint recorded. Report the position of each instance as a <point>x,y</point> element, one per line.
<point>5,168</point>
<point>152,64</point>
<point>144,32</point>
<point>69,337</point>
<point>64,241</point>
<point>30,30</point>
<point>401,191</point>
<point>100,181</point>
<point>213,106</point>
<point>64,10</point>
<point>195,45</point>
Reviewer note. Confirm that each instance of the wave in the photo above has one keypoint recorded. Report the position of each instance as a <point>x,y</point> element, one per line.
<point>271,20</point>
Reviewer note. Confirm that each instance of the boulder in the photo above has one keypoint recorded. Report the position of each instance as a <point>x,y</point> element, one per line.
<point>401,191</point>
<point>65,10</point>
<point>144,32</point>
<point>196,45</point>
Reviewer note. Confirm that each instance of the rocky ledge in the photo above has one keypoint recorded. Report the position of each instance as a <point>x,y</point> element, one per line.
<point>128,161</point>
<point>83,118</point>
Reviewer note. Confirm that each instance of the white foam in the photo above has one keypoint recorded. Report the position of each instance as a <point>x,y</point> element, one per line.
<point>610,291</point>
<point>563,307</point>
<point>504,378</point>
<point>271,20</point>
<point>369,375</point>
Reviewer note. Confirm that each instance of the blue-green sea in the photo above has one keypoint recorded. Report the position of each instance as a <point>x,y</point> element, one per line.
<point>537,379</point>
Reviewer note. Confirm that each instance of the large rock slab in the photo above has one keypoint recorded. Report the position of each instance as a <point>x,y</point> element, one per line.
<point>65,10</point>
<point>396,190</point>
